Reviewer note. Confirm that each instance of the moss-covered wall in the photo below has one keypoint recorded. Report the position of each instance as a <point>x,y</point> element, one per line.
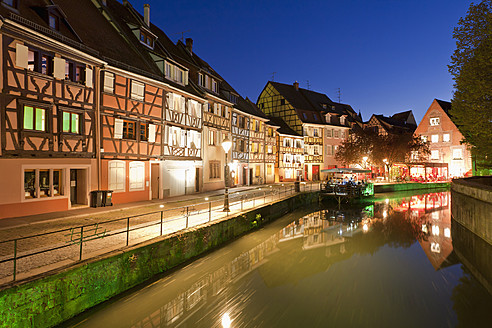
<point>396,187</point>
<point>56,296</point>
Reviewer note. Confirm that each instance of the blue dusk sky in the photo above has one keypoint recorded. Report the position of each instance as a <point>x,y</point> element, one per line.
<point>386,56</point>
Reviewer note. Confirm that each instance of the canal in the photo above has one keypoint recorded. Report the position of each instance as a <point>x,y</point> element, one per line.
<point>387,264</point>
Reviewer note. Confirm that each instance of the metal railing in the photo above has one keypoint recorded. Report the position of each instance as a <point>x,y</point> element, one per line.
<point>26,256</point>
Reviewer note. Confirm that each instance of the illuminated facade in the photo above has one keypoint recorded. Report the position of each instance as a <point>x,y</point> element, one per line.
<point>311,115</point>
<point>444,139</point>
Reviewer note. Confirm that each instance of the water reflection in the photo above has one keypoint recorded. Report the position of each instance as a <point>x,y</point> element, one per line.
<point>364,265</point>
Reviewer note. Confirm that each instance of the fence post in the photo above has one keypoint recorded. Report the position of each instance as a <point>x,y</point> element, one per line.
<point>264,197</point>
<point>81,242</point>
<point>162,215</point>
<point>242,199</point>
<point>15,257</point>
<point>187,217</point>
<point>209,211</point>
<point>127,230</point>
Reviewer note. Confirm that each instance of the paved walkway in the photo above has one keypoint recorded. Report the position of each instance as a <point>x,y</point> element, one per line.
<point>149,219</point>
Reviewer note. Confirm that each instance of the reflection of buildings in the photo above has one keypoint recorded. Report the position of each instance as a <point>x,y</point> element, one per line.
<point>433,212</point>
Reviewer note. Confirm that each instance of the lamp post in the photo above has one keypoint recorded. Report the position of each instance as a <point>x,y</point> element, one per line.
<point>226,145</point>
<point>385,161</point>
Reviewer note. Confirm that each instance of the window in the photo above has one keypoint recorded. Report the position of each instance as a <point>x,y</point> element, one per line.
<point>282,101</point>
<point>215,86</point>
<point>445,137</point>
<point>117,175</point>
<point>34,118</point>
<point>329,133</point>
<point>304,115</point>
<point>342,120</point>
<point>329,150</point>
<point>37,61</point>
<point>11,3</point>
<point>233,98</point>
<point>457,153</point>
<point>108,82</point>
<point>129,130</point>
<point>30,184</point>
<point>201,80</point>
<point>299,144</point>
<point>257,170</point>
<point>336,133</point>
<point>315,117</point>
<point>175,73</point>
<point>53,21</point>
<point>146,38</point>
<point>270,149</point>
<point>137,92</point>
<point>214,170</point>
<point>434,121</point>
<point>269,169</point>
<point>434,138</point>
<point>144,132</point>
<point>71,122</point>
<point>315,132</point>
<point>137,176</point>
<point>424,138</point>
<point>42,183</point>
<point>434,154</point>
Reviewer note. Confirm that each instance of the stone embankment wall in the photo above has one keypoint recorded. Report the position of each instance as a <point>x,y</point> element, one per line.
<point>54,297</point>
<point>471,211</point>
<point>396,187</point>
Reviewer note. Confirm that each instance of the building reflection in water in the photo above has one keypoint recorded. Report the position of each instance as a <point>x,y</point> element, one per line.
<point>307,248</point>
<point>427,216</point>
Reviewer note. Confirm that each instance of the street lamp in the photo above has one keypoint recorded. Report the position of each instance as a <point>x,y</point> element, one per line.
<point>365,161</point>
<point>226,144</point>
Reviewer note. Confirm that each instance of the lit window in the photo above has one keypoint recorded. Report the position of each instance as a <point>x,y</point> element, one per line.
<point>434,154</point>
<point>71,122</point>
<point>445,137</point>
<point>434,138</point>
<point>457,153</point>
<point>137,175</point>
<point>34,118</point>
<point>117,175</point>
<point>30,184</point>
<point>434,121</point>
<point>44,183</point>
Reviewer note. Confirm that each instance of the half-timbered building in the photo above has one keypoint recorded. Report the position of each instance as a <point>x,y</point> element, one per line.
<point>307,113</point>
<point>216,114</point>
<point>47,121</point>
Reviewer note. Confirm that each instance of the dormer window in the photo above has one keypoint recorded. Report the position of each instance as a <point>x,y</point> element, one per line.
<point>233,98</point>
<point>11,3</point>
<point>54,22</point>
<point>201,80</point>
<point>174,73</point>
<point>324,106</point>
<point>342,120</point>
<point>215,86</point>
<point>147,39</point>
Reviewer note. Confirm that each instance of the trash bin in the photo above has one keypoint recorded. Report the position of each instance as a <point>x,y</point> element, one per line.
<point>96,198</point>
<point>108,198</point>
<point>297,186</point>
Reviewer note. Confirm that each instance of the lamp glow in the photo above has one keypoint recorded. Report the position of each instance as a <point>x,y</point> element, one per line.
<point>226,320</point>
<point>226,144</point>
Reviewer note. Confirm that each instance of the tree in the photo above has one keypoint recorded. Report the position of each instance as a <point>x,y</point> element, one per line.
<point>471,68</point>
<point>381,150</point>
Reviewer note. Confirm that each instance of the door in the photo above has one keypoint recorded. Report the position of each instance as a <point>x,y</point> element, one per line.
<point>245,171</point>
<point>250,176</point>
<point>154,182</point>
<point>197,180</point>
<point>315,172</point>
<point>73,186</point>
<point>306,169</point>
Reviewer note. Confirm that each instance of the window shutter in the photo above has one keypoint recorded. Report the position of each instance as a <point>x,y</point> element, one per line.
<point>204,107</point>
<point>182,141</point>
<point>183,104</point>
<point>21,55</point>
<point>185,78</point>
<point>215,108</point>
<point>152,132</point>
<point>108,82</point>
<point>88,77</point>
<point>59,68</point>
<point>118,128</point>
<point>188,139</point>
<point>170,100</point>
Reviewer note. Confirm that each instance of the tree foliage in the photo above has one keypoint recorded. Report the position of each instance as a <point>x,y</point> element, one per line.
<point>471,67</point>
<point>394,148</point>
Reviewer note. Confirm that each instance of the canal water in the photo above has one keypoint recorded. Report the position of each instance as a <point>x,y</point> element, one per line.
<point>388,264</point>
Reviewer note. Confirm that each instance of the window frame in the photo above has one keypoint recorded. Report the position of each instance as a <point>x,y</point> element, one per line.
<point>113,185</point>
<point>135,87</point>
<point>46,119</point>
<point>72,113</point>
<point>129,127</point>
<point>214,169</point>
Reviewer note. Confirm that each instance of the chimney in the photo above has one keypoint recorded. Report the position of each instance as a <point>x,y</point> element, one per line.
<point>296,85</point>
<point>189,44</point>
<point>147,14</point>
